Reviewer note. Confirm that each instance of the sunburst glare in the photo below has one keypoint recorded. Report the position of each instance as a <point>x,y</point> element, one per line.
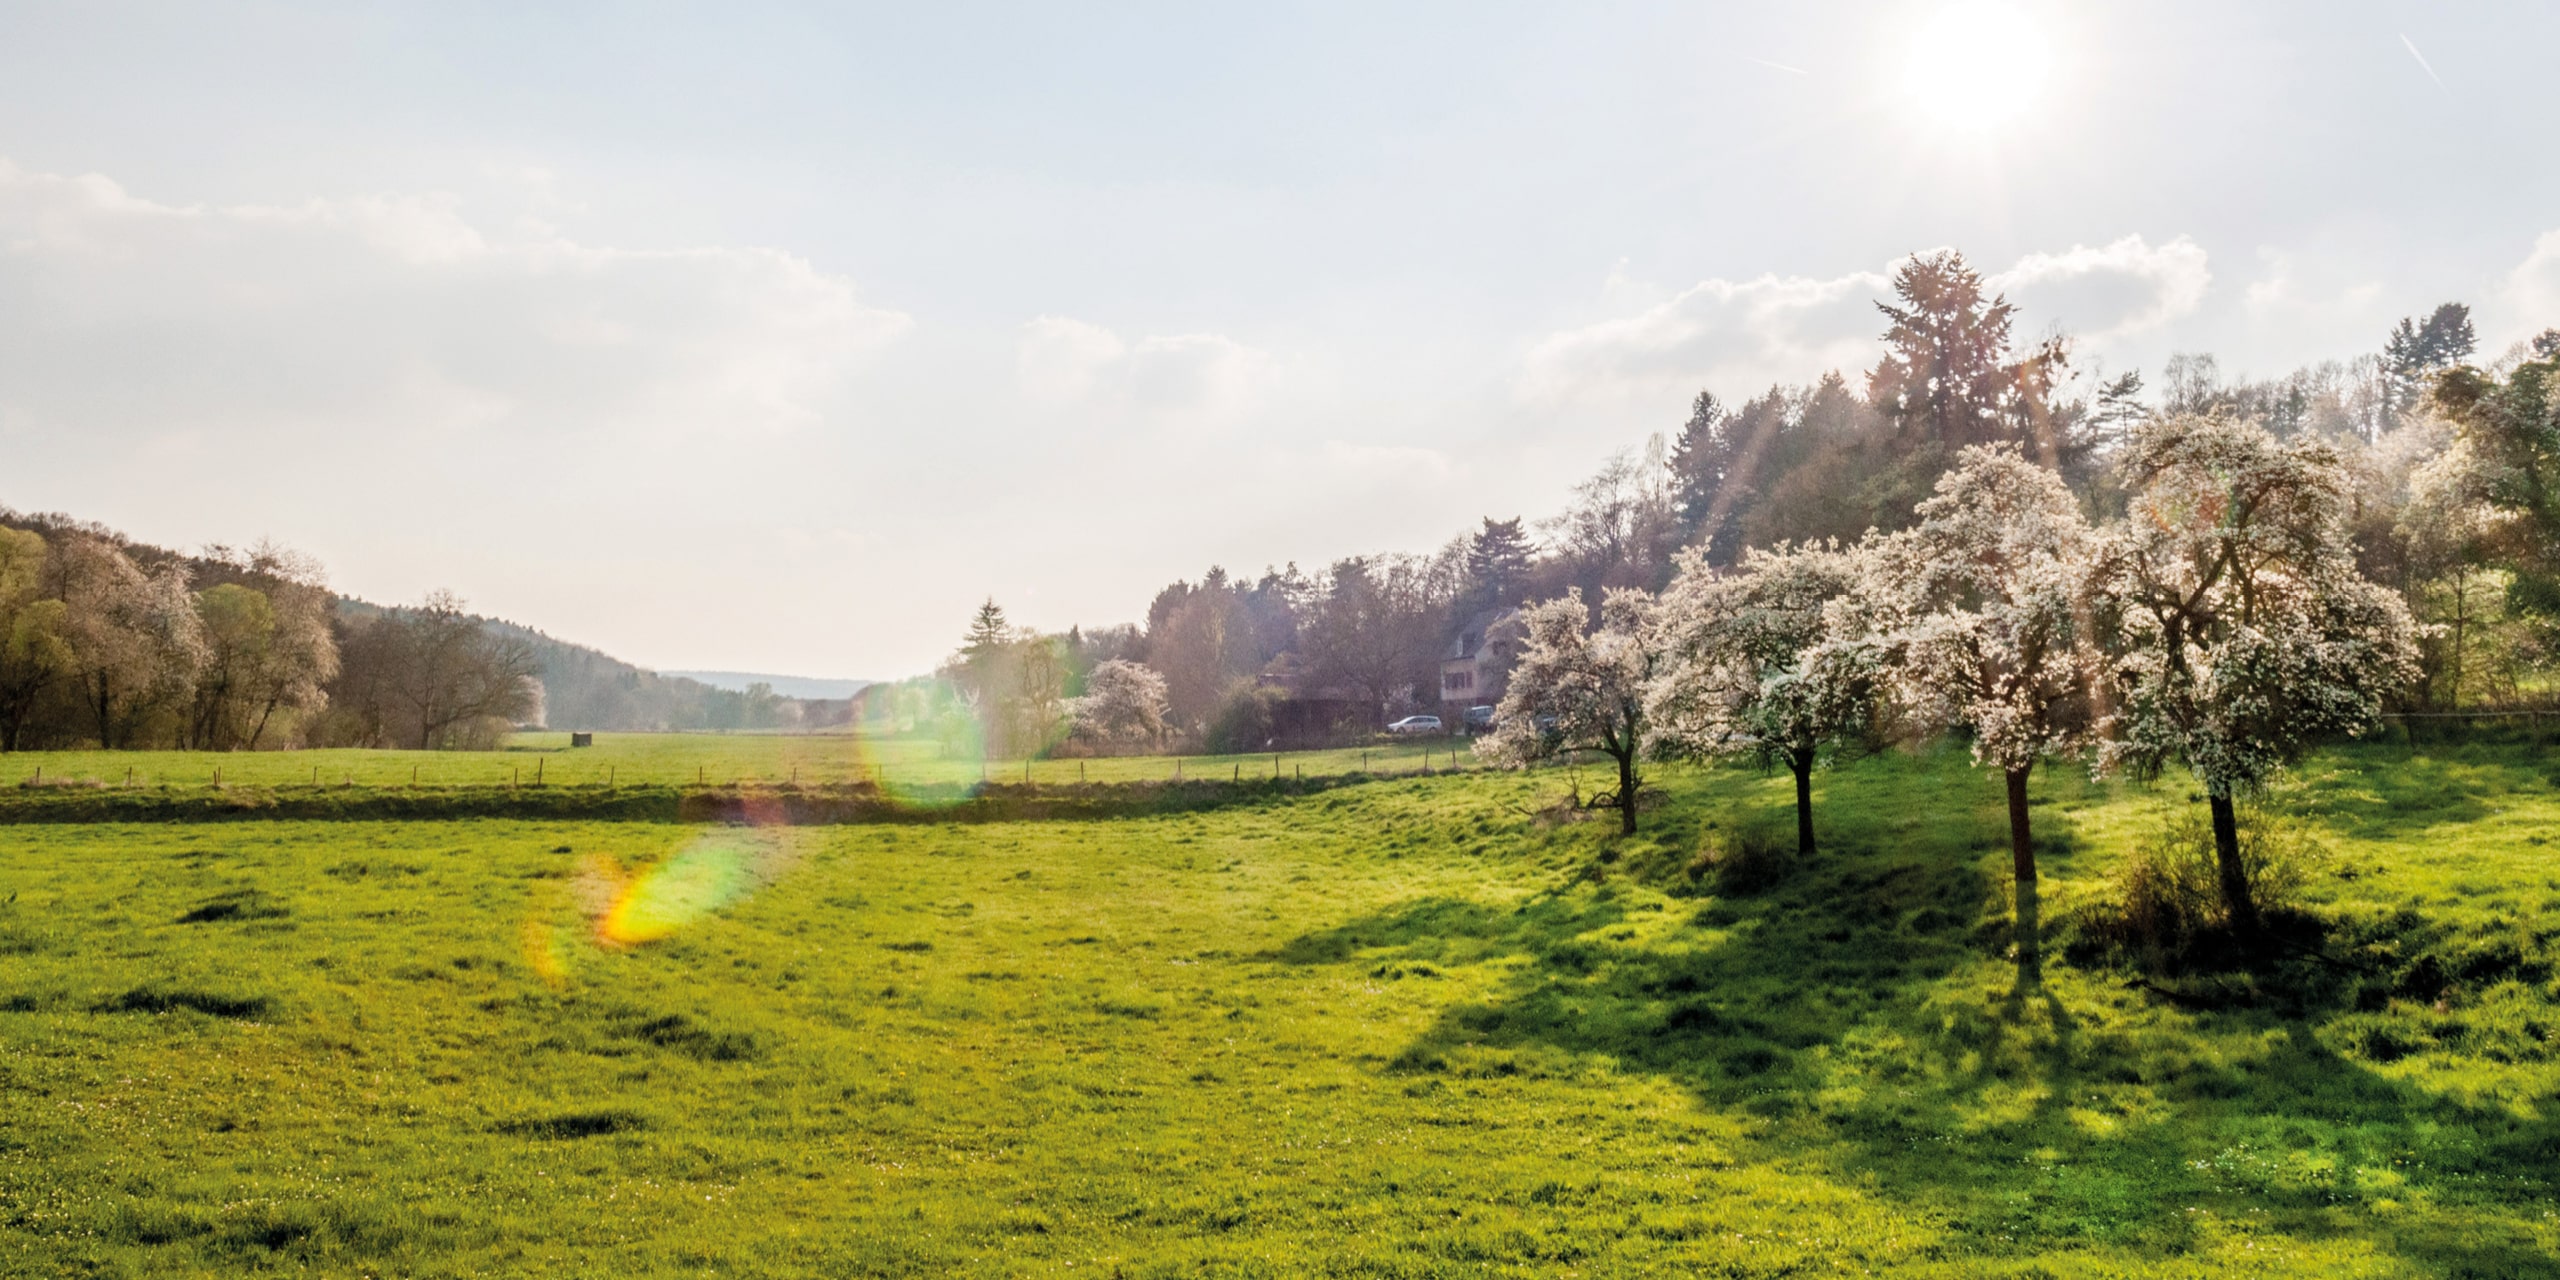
<point>1973,70</point>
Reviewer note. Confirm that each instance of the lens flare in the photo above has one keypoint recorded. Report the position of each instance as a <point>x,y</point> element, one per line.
<point>623,908</point>
<point>709,874</point>
<point>545,952</point>
<point>927,751</point>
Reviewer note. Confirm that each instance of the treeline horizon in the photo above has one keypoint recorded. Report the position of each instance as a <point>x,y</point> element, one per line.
<point>114,643</point>
<point>2444,464</point>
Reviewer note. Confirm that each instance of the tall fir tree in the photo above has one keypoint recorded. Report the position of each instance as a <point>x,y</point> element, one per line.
<point>1497,562</point>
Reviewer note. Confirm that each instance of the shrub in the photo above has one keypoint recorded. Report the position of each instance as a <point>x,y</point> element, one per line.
<point>1244,720</point>
<point>2168,896</point>
<point>1744,857</point>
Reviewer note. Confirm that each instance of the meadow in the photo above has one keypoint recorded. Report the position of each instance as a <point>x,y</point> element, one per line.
<point>1418,1026</point>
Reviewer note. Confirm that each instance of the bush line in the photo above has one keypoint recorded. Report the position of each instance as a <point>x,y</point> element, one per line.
<point>761,806</point>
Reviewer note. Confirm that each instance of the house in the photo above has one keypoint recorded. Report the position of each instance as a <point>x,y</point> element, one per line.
<point>1312,715</point>
<point>1478,661</point>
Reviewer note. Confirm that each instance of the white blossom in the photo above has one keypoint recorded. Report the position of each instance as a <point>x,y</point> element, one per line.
<point>1123,702</point>
<point>1986,607</point>
<point>1578,690</point>
<point>1771,661</point>
<point>2244,630</point>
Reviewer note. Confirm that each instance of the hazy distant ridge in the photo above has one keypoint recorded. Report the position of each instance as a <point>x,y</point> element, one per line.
<point>787,686</point>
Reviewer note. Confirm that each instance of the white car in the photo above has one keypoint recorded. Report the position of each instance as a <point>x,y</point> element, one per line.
<point>1416,724</point>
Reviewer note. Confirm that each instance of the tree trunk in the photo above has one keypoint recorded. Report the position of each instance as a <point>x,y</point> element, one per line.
<point>102,701</point>
<point>1627,794</point>
<point>2236,900</point>
<point>1801,764</point>
<point>2025,928</point>
<point>2022,845</point>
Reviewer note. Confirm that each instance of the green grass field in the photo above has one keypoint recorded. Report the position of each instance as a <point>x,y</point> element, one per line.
<point>672,759</point>
<point>1406,1027</point>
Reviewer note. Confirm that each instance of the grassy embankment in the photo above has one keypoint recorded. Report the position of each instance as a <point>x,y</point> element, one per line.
<point>1396,1028</point>
<point>683,759</point>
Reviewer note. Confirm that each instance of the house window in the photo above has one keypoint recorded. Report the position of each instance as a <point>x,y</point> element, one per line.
<point>1457,681</point>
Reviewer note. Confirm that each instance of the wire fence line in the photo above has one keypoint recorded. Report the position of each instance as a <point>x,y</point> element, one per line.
<point>2507,713</point>
<point>657,764</point>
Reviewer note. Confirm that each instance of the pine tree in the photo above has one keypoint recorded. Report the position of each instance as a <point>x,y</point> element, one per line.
<point>988,631</point>
<point>1946,378</point>
<point>1497,561</point>
<point>2415,351</point>
<point>1702,460</point>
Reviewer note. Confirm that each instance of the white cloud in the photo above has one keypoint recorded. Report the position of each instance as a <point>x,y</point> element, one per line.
<point>2110,291</point>
<point>127,318</point>
<point>1741,336</point>
<point>1192,379</point>
<point>2527,301</point>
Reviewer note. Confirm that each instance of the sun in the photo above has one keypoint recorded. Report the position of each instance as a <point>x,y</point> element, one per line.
<point>1976,69</point>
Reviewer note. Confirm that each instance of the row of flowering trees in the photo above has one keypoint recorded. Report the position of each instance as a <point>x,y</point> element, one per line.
<point>2221,625</point>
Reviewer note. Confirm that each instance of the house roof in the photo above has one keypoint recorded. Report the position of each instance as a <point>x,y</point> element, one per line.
<point>1471,638</point>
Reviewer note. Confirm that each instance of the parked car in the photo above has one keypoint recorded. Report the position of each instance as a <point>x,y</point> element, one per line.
<point>1416,724</point>
<point>1479,718</point>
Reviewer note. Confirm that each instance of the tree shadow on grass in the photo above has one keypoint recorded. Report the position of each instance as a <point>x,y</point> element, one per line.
<point>1869,1009</point>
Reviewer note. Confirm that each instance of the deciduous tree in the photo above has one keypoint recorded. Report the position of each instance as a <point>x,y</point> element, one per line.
<point>1123,704</point>
<point>1579,689</point>
<point>1988,624</point>
<point>2244,631</point>
<point>1376,630</point>
<point>134,638</point>
<point>33,652</point>
<point>1763,662</point>
<point>457,681</point>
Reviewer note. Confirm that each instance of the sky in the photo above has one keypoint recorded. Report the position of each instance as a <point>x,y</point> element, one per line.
<point>775,338</point>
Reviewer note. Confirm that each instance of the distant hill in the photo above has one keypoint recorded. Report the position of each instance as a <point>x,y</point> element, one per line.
<point>583,688</point>
<point>786,686</point>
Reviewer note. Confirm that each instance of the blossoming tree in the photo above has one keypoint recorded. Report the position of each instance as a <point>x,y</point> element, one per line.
<point>1764,662</point>
<point>2244,630</point>
<point>1578,690</point>
<point>1986,608</point>
<point>1123,702</point>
